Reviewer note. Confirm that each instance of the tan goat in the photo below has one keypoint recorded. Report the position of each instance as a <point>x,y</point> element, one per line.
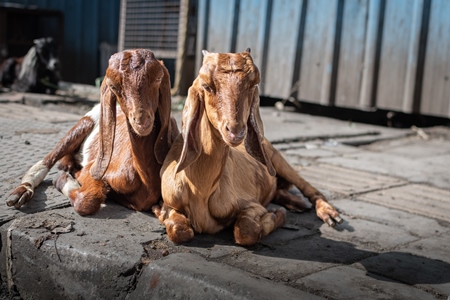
<point>221,170</point>
<point>114,150</point>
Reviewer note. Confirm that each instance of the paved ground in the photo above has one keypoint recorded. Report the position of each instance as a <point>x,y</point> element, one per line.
<point>392,187</point>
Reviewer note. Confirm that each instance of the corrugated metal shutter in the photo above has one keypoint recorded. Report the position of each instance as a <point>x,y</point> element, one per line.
<point>359,54</point>
<point>150,24</point>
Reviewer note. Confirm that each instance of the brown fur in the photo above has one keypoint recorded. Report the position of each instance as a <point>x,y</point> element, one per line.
<point>126,155</point>
<point>221,170</point>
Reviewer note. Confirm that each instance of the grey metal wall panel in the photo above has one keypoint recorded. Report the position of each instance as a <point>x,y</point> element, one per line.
<point>220,27</point>
<point>398,60</point>
<point>317,54</point>
<point>369,72</point>
<point>202,29</point>
<point>352,50</point>
<point>215,27</point>
<point>436,81</point>
<point>251,28</point>
<point>281,53</point>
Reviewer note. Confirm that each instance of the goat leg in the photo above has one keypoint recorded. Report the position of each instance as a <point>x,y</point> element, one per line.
<point>178,226</point>
<point>324,210</point>
<point>85,193</point>
<point>292,202</point>
<point>255,222</point>
<point>21,195</point>
<point>65,183</point>
<point>67,146</point>
<point>32,178</point>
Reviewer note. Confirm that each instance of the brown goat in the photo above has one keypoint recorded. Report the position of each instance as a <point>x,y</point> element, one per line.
<point>221,170</point>
<point>119,154</point>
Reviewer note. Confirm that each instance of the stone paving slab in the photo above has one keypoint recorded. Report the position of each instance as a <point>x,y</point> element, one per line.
<point>412,147</point>
<point>24,143</point>
<point>17,127</point>
<point>435,247</point>
<point>414,198</point>
<point>289,261</point>
<point>347,181</point>
<point>283,126</point>
<point>369,235</point>
<point>414,225</point>
<point>428,274</point>
<point>316,149</point>
<point>188,276</point>
<point>28,113</point>
<point>335,283</point>
<point>433,170</point>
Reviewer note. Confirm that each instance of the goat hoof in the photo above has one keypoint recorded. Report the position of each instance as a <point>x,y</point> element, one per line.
<point>21,195</point>
<point>330,222</point>
<point>339,220</point>
<point>328,213</point>
<point>335,220</point>
<point>181,234</point>
<point>280,217</point>
<point>156,209</point>
<point>247,231</point>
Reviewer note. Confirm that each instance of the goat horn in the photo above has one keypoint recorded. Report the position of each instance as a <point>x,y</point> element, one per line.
<point>248,50</point>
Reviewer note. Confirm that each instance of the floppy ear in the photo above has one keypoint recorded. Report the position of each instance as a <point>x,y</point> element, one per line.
<point>163,142</point>
<point>254,142</point>
<point>106,132</point>
<point>190,128</point>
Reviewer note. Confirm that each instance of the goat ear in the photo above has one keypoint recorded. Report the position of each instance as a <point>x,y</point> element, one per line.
<point>190,127</point>
<point>163,142</point>
<point>254,142</point>
<point>106,132</point>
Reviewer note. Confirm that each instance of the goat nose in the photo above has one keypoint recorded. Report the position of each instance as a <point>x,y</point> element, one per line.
<point>141,119</point>
<point>53,64</point>
<point>236,132</point>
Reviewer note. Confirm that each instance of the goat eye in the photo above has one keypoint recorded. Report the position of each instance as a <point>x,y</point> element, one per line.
<point>207,88</point>
<point>158,79</point>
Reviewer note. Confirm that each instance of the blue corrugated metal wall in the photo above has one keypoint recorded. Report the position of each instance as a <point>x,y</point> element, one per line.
<point>87,24</point>
<point>363,54</point>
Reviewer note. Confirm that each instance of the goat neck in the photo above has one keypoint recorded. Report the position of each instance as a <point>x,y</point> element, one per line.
<point>140,147</point>
<point>208,168</point>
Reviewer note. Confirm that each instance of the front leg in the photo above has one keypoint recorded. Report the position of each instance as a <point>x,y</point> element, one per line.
<point>178,226</point>
<point>255,222</point>
<point>25,191</point>
<point>85,194</point>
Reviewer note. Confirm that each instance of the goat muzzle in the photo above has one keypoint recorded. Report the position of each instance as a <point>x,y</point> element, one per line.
<point>234,135</point>
<point>53,64</point>
<point>142,124</point>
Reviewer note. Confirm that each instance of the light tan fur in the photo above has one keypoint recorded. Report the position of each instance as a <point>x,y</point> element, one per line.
<point>221,170</point>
